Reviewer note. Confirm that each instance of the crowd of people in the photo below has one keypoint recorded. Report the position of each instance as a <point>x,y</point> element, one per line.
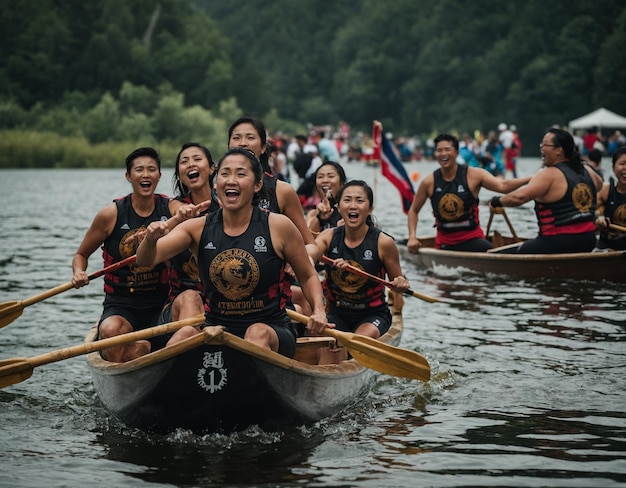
<point>234,244</point>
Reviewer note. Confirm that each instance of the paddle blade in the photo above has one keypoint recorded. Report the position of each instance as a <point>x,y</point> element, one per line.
<point>13,371</point>
<point>382,357</point>
<point>378,355</point>
<point>10,311</point>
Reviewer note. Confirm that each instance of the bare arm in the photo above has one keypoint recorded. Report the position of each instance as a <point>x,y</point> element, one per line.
<point>478,177</point>
<point>288,242</point>
<point>100,229</point>
<point>423,193</point>
<point>539,187</point>
<point>388,252</point>
<point>290,206</point>
<point>161,244</point>
<point>603,196</point>
<point>322,241</point>
<point>312,221</point>
<point>184,211</point>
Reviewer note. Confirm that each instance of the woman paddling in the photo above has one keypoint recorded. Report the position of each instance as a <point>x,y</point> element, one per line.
<point>612,206</point>
<point>241,252</point>
<point>193,183</point>
<point>354,303</point>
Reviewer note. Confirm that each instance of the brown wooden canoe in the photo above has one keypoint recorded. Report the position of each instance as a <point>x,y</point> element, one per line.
<point>592,266</point>
<point>215,388</point>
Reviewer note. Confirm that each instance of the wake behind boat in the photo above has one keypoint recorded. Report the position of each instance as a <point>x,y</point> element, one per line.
<point>214,387</point>
<point>592,266</point>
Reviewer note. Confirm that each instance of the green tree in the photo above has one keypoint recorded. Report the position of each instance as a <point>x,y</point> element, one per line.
<point>609,74</point>
<point>102,122</point>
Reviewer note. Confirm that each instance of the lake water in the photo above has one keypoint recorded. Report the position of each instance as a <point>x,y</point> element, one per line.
<point>528,377</point>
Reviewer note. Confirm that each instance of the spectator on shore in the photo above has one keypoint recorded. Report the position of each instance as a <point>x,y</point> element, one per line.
<point>594,160</point>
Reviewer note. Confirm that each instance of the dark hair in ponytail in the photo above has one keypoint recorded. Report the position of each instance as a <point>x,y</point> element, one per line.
<point>562,138</point>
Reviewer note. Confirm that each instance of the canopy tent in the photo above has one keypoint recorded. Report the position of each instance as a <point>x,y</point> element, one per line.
<point>599,118</point>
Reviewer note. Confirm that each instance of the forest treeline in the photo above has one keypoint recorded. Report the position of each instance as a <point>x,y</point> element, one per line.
<point>83,83</point>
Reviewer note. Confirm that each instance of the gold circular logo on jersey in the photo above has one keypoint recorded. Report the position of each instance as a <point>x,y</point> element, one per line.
<point>619,216</point>
<point>346,280</point>
<point>234,273</point>
<point>128,243</point>
<point>582,197</point>
<point>450,207</point>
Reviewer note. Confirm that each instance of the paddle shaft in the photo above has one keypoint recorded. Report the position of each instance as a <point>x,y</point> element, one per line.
<point>360,272</point>
<point>9,311</point>
<point>18,369</point>
<point>377,355</point>
<point>119,340</point>
<point>500,210</point>
<point>68,285</point>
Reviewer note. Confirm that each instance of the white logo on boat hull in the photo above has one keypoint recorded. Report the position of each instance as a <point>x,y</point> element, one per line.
<point>213,375</point>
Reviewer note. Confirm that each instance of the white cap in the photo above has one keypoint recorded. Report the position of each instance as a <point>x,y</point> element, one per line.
<point>502,126</point>
<point>310,149</point>
<point>513,128</point>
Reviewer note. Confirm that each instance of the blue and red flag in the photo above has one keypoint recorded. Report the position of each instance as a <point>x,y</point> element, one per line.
<point>392,167</point>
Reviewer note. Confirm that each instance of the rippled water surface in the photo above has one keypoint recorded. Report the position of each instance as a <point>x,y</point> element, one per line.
<point>528,384</point>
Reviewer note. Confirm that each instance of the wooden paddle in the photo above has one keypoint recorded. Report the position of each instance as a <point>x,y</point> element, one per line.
<point>377,355</point>
<point>501,211</point>
<point>9,311</point>
<point>16,370</point>
<point>360,272</point>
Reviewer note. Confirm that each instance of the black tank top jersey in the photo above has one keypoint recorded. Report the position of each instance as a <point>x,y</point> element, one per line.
<point>615,210</point>
<point>346,289</point>
<point>143,286</point>
<point>183,267</point>
<point>269,199</point>
<point>577,206</point>
<point>244,279</point>
<point>454,206</point>
<point>331,222</point>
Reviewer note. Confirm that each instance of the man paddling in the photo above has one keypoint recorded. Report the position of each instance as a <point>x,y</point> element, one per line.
<point>453,190</point>
<point>134,295</point>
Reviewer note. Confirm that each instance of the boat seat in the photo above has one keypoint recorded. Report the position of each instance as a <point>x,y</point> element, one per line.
<point>316,341</point>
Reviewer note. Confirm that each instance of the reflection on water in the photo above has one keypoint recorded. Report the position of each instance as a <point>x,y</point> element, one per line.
<point>528,377</point>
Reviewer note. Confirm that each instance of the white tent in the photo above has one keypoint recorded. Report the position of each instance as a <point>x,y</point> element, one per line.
<point>599,118</point>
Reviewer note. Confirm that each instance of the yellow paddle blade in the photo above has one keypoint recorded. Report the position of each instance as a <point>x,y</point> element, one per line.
<point>10,311</point>
<point>14,371</point>
<point>378,355</point>
<point>382,357</point>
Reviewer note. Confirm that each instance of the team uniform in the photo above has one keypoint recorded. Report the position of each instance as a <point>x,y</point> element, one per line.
<point>331,222</point>
<point>137,293</point>
<point>244,279</point>
<point>353,300</point>
<point>615,211</point>
<point>566,225</point>
<point>183,270</point>
<point>270,200</point>
<point>456,214</point>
